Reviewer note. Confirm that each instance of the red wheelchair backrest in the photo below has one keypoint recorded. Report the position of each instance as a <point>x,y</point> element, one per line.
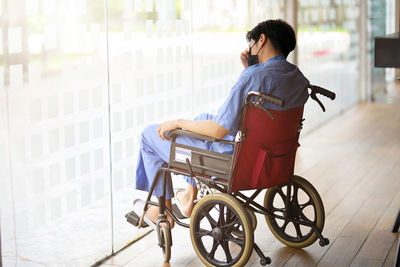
<point>266,156</point>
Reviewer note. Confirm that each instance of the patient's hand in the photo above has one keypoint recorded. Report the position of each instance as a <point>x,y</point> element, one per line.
<point>243,58</point>
<point>165,127</point>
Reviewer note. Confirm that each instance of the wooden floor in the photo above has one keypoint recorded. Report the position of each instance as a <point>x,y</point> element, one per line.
<point>354,162</point>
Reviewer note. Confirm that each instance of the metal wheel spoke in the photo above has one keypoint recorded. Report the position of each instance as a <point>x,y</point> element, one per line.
<point>278,209</point>
<point>213,249</point>
<point>230,215</point>
<point>235,240</point>
<point>283,196</point>
<point>303,206</point>
<point>298,230</point>
<point>209,218</point>
<point>295,191</point>
<point>202,233</point>
<point>228,255</point>
<point>221,219</point>
<point>228,226</point>
<point>304,217</point>
<point>283,227</point>
<point>228,220</point>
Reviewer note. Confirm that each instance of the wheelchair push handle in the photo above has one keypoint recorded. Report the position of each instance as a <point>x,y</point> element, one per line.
<point>266,97</point>
<point>319,90</point>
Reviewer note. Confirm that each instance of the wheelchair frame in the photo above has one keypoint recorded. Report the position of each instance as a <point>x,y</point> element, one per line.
<point>222,166</point>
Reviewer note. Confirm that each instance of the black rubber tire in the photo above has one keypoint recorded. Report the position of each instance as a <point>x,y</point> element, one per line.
<point>166,242</point>
<point>299,239</point>
<point>211,231</point>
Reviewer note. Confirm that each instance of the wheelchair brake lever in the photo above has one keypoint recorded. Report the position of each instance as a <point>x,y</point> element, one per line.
<point>189,167</point>
<point>314,97</point>
<point>266,110</point>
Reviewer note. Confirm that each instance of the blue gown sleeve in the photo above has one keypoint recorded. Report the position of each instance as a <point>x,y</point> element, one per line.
<point>229,113</point>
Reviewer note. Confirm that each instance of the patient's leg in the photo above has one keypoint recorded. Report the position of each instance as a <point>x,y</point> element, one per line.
<point>186,198</point>
<point>152,213</point>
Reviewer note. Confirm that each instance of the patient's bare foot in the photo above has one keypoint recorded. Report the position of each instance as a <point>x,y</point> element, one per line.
<point>186,199</point>
<point>152,213</point>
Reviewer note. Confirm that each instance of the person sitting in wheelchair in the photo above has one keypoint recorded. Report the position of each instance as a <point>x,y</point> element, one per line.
<point>265,70</point>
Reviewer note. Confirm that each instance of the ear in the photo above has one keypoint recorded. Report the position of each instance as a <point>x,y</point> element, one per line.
<point>263,39</point>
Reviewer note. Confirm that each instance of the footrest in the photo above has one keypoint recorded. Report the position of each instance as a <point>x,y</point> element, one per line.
<point>177,212</point>
<point>134,219</point>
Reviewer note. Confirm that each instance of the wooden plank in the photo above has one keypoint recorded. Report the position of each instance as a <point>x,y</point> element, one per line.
<point>364,262</point>
<point>134,250</point>
<point>381,239</point>
<point>389,261</point>
<point>342,214</point>
<point>346,246</point>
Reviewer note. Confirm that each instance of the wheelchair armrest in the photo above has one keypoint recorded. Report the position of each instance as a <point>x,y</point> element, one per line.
<point>172,133</point>
<point>191,134</point>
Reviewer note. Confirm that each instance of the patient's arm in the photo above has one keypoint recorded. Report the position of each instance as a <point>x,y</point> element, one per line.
<point>204,127</point>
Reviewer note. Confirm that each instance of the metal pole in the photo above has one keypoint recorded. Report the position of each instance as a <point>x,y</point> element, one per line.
<point>290,15</point>
<point>1,257</point>
<point>365,94</point>
<point>109,125</point>
<point>397,17</point>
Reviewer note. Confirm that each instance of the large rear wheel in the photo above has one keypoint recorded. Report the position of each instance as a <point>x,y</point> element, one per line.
<point>305,205</point>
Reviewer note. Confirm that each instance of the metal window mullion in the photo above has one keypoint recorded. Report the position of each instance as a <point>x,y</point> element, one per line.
<point>365,71</point>
<point>290,15</point>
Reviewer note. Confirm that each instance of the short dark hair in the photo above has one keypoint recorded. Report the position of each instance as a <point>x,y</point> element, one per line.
<point>281,34</point>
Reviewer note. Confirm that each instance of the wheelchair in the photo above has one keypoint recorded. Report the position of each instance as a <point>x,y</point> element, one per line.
<point>223,220</point>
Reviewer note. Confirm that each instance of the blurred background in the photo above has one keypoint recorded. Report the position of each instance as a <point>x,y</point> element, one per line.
<point>80,79</point>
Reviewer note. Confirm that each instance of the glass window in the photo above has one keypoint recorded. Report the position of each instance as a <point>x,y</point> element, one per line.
<point>54,193</point>
<point>329,53</point>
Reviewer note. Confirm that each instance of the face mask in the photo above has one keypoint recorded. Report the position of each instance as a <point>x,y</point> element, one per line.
<point>252,59</point>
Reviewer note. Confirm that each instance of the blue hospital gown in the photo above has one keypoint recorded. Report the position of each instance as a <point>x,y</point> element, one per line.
<point>277,77</point>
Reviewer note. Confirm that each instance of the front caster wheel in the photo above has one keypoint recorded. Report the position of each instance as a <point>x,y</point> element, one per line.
<point>165,241</point>
<point>324,242</point>
<point>213,222</point>
<point>266,261</point>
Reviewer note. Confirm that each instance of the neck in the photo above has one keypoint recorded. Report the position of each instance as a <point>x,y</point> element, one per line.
<point>264,57</point>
